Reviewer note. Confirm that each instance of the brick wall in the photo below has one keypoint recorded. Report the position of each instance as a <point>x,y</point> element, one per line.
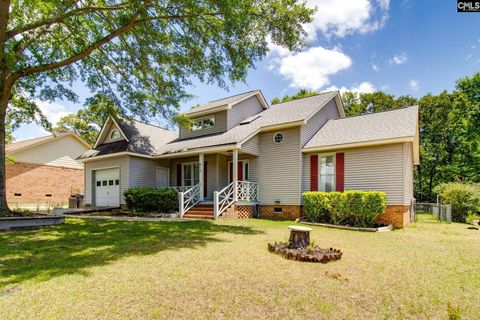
<point>35,181</point>
<point>397,215</point>
<point>280,212</point>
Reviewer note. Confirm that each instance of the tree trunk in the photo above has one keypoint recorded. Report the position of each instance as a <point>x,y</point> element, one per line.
<point>3,177</point>
<point>299,239</point>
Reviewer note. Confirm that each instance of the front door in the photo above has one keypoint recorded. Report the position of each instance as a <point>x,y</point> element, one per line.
<point>242,171</point>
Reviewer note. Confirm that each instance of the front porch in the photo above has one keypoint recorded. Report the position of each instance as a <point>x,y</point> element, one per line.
<point>210,184</point>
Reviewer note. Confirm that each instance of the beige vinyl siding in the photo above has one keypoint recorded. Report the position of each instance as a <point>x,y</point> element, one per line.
<point>143,171</point>
<point>220,126</point>
<point>376,168</point>
<point>251,146</point>
<point>221,172</point>
<point>242,111</point>
<point>408,172</point>
<point>386,168</point>
<point>329,111</point>
<point>122,162</point>
<point>279,168</point>
<point>61,152</point>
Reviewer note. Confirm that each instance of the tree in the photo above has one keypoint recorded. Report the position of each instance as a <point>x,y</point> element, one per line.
<point>140,53</point>
<point>87,122</point>
<point>302,93</point>
<point>363,103</point>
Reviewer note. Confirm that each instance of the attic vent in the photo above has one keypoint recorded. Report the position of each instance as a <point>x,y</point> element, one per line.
<point>250,119</point>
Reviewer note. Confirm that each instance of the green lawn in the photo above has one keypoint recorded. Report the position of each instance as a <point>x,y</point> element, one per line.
<point>136,270</point>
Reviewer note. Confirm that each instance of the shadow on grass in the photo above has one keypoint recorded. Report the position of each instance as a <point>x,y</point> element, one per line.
<point>71,248</point>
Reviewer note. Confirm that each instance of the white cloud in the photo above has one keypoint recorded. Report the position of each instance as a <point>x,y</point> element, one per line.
<point>312,68</point>
<point>52,110</point>
<point>399,59</point>
<point>341,18</point>
<point>414,84</point>
<point>375,67</point>
<point>468,57</point>
<point>364,87</point>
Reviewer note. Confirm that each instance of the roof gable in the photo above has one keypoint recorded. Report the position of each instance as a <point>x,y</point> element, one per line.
<point>31,143</point>
<point>106,130</point>
<point>226,103</point>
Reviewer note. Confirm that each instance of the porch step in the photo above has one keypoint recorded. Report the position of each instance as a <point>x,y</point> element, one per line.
<point>200,211</point>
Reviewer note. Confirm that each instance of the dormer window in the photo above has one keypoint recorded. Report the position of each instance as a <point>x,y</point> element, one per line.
<point>203,123</point>
<point>115,135</point>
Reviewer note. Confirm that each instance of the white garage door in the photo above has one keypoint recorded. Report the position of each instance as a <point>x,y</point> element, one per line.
<point>107,187</point>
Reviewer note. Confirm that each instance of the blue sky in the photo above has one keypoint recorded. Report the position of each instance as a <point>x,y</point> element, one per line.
<point>400,47</point>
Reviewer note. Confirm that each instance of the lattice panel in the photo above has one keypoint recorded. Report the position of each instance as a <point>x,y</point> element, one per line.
<point>245,212</point>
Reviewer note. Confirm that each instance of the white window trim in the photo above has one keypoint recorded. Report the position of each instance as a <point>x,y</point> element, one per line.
<point>201,120</point>
<point>168,175</point>
<point>275,134</point>
<point>320,155</point>
<point>243,169</point>
<point>114,131</point>
<point>183,173</point>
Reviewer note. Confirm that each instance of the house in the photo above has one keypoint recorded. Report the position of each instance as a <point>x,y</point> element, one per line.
<point>244,156</point>
<point>45,171</point>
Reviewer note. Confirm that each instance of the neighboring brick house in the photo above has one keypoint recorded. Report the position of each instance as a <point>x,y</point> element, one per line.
<point>45,171</point>
<point>243,154</point>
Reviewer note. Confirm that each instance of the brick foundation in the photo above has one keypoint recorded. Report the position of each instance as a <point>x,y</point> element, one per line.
<point>280,212</point>
<point>34,182</point>
<point>397,215</point>
<point>238,212</point>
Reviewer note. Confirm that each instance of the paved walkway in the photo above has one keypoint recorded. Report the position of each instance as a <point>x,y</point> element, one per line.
<point>141,219</point>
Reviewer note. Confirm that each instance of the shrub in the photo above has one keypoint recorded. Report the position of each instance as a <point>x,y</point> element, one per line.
<point>151,200</point>
<point>354,208</point>
<point>463,197</point>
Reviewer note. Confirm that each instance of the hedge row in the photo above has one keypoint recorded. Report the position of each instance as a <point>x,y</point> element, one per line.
<point>151,200</point>
<point>353,208</point>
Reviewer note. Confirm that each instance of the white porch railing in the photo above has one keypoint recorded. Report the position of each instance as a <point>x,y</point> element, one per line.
<point>235,191</point>
<point>188,198</point>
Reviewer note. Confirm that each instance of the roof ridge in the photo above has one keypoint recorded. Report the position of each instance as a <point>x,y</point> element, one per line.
<point>302,98</point>
<point>238,94</point>
<point>372,113</point>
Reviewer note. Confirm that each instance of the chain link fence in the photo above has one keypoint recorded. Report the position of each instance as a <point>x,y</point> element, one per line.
<point>441,212</point>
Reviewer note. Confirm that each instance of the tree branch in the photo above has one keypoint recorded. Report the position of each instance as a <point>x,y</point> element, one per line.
<point>48,22</point>
<point>88,50</point>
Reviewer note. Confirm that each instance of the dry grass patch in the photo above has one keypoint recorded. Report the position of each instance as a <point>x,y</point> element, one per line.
<point>163,270</point>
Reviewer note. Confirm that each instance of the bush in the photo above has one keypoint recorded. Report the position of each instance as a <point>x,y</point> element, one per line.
<point>151,200</point>
<point>463,197</point>
<point>354,208</point>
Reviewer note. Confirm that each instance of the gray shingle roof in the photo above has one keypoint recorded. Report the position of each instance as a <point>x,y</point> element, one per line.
<point>292,111</point>
<point>393,124</point>
<point>221,102</point>
<point>143,139</point>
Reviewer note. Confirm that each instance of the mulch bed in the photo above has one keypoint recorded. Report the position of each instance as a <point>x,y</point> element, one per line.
<point>315,254</point>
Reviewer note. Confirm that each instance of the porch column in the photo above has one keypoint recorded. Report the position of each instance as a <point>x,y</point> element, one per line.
<point>235,173</point>
<point>201,159</point>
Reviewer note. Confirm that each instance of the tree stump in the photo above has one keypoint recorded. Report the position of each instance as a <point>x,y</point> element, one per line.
<point>299,237</point>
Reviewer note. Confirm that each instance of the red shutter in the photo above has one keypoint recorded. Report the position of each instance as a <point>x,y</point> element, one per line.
<point>205,179</point>
<point>179,174</point>
<point>339,171</point>
<point>314,172</point>
<point>240,171</point>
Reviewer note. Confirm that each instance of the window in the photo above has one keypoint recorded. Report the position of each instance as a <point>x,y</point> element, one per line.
<point>104,183</point>
<point>117,182</point>
<point>278,137</point>
<point>99,183</point>
<point>204,123</point>
<point>115,134</point>
<point>110,182</point>
<point>190,174</point>
<point>326,173</point>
